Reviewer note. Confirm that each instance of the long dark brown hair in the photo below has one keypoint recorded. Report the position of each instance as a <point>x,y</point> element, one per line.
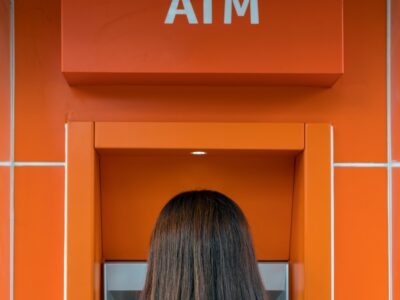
<point>201,249</point>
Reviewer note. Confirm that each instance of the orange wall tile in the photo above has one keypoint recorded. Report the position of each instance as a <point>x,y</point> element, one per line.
<point>4,80</point>
<point>356,105</point>
<point>361,251</point>
<point>4,233</point>
<point>396,79</point>
<point>396,234</point>
<point>39,228</point>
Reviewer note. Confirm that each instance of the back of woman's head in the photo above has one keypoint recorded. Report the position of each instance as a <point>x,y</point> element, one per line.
<point>201,249</point>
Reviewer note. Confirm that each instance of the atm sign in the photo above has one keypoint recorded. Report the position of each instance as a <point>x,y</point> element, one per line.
<point>230,5</point>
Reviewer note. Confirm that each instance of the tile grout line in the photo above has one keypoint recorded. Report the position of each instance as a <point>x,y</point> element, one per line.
<point>389,144</point>
<point>32,164</point>
<point>12,145</point>
<point>63,164</point>
<point>360,165</point>
<point>39,164</point>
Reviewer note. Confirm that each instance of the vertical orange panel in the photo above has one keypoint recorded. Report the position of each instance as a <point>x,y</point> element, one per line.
<point>361,252</point>
<point>84,245</point>
<point>311,224</point>
<point>4,233</point>
<point>396,143</point>
<point>4,80</point>
<point>396,234</point>
<point>297,262</point>
<point>98,240</point>
<point>39,227</point>
<point>317,212</point>
<point>395,79</point>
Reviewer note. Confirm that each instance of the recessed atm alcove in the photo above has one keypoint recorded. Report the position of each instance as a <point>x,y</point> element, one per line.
<point>121,174</point>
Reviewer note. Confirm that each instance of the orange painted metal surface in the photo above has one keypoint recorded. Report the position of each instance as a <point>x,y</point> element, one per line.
<point>135,187</point>
<point>84,243</point>
<point>4,232</point>
<point>98,235</point>
<point>361,245</point>
<point>310,252</point>
<point>39,233</point>
<point>317,201</point>
<point>44,100</point>
<point>4,80</point>
<point>121,169</point>
<point>395,88</point>
<point>297,245</point>
<point>129,42</point>
<point>225,136</point>
<point>396,234</point>
<point>222,169</point>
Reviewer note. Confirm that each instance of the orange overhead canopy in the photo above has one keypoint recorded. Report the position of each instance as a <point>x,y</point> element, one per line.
<point>275,42</point>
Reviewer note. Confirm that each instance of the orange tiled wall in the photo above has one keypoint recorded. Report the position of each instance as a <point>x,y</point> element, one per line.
<point>356,106</point>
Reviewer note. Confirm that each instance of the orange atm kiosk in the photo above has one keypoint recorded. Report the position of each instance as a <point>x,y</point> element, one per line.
<point>121,174</point>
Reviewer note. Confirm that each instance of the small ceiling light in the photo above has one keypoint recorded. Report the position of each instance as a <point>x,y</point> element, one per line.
<point>198,153</point>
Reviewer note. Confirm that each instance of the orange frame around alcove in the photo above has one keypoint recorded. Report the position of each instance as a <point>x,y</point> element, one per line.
<point>310,237</point>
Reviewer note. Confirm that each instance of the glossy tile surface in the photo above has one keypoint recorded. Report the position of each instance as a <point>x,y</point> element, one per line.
<point>361,244</point>
<point>4,80</point>
<point>39,228</point>
<point>4,232</point>
<point>395,67</point>
<point>396,234</point>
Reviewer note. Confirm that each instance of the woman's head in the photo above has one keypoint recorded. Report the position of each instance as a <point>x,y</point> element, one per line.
<point>201,248</point>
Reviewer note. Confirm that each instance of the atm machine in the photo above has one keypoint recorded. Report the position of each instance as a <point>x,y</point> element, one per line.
<point>121,174</point>
<point>125,280</point>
